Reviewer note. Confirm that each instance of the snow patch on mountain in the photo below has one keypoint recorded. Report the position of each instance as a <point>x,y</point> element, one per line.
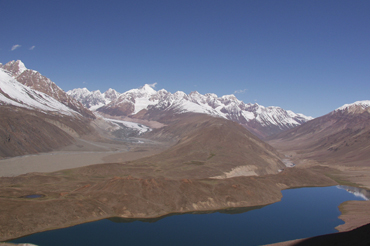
<point>363,104</point>
<point>36,81</point>
<point>14,93</point>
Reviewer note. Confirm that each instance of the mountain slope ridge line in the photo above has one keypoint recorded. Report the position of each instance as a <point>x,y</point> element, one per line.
<point>145,103</point>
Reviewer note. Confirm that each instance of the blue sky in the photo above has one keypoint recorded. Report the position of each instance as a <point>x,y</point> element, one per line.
<point>307,56</point>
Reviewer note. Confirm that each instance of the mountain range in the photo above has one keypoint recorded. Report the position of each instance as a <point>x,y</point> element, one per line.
<point>147,103</point>
<point>31,93</point>
<point>25,93</point>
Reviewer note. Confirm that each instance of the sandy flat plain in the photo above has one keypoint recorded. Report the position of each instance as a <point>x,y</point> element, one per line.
<point>81,153</point>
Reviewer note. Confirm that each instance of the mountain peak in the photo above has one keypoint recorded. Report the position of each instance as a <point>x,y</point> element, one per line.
<point>230,97</point>
<point>15,67</point>
<point>20,65</point>
<point>111,94</point>
<point>356,107</point>
<point>213,95</point>
<point>34,80</point>
<point>110,90</point>
<point>364,104</point>
<point>146,89</point>
<point>17,94</point>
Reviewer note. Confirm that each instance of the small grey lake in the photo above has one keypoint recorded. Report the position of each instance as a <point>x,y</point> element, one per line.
<point>302,212</point>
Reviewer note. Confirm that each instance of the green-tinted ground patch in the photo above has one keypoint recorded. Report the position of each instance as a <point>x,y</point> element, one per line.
<point>195,163</point>
<point>341,181</point>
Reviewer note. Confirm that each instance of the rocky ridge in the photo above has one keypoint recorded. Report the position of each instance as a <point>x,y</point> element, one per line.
<point>147,103</point>
<point>38,82</point>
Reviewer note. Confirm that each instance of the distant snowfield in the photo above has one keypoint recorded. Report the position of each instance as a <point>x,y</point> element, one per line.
<point>136,126</point>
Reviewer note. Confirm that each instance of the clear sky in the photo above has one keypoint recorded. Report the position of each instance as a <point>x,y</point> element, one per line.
<point>307,56</point>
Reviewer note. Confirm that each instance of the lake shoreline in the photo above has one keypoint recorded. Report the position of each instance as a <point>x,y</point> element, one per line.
<point>86,201</point>
<point>237,219</point>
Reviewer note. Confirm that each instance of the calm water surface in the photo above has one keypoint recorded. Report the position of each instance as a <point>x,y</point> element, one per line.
<point>303,212</point>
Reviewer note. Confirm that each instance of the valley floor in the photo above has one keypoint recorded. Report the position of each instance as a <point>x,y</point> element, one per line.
<point>81,153</point>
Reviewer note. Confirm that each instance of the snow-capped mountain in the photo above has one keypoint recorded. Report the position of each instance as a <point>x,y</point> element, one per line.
<point>356,107</point>
<point>38,82</point>
<point>16,94</point>
<point>145,102</point>
<point>93,99</point>
<point>32,121</point>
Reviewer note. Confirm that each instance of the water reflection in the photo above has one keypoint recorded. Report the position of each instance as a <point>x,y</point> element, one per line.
<point>359,192</point>
<point>152,220</point>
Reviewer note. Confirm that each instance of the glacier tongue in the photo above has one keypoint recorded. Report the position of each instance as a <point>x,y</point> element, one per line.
<point>140,128</point>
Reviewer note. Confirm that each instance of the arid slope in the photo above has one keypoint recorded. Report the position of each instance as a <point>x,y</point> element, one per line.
<point>207,146</point>
<point>338,137</point>
<point>24,131</point>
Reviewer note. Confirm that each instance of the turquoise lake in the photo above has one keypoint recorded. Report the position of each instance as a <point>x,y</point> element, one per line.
<point>303,212</point>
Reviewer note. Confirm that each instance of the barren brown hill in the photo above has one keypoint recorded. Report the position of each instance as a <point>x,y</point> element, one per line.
<point>210,147</point>
<point>342,136</point>
<point>203,147</point>
<point>24,131</point>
